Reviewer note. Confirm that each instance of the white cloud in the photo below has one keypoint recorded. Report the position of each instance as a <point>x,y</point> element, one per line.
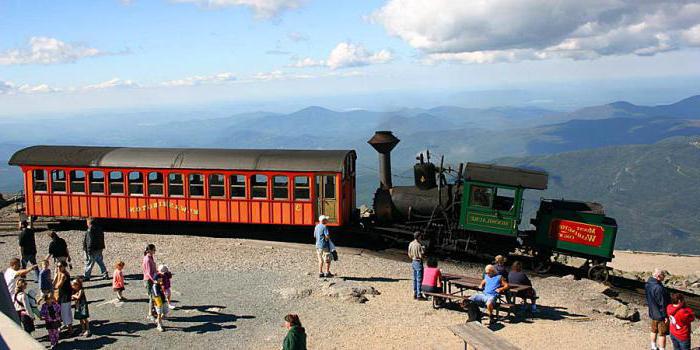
<point>345,55</point>
<point>262,8</point>
<point>513,30</point>
<point>280,75</point>
<point>297,37</point>
<point>44,50</point>
<point>200,80</point>
<point>10,88</point>
<point>113,83</point>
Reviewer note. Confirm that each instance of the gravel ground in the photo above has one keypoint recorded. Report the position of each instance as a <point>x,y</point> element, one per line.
<point>232,293</point>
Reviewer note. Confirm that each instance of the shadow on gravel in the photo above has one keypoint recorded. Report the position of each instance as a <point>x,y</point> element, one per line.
<point>211,319</point>
<point>555,313</point>
<point>134,277</point>
<point>94,286</point>
<point>374,279</point>
<point>85,343</point>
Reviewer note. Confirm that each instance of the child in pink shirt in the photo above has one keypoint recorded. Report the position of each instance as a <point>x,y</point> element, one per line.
<point>118,280</point>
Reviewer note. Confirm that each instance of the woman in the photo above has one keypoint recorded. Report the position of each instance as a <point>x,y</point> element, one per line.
<point>61,284</point>
<point>679,316</point>
<point>296,336</point>
<point>149,272</point>
<point>432,277</point>
<point>517,276</point>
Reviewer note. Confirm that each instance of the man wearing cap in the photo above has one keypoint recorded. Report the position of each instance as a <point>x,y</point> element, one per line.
<point>415,252</point>
<point>323,251</point>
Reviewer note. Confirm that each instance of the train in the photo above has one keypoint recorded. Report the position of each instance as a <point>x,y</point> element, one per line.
<point>478,211</point>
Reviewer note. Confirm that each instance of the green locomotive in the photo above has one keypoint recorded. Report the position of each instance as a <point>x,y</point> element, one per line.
<point>480,212</point>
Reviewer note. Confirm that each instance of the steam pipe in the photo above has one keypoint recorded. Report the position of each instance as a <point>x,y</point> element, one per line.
<point>383,142</point>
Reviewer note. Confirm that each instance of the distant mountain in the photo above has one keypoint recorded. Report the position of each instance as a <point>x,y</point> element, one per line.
<point>688,108</point>
<point>652,190</point>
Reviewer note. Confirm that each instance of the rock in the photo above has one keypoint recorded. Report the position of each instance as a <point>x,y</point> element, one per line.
<point>625,312</point>
<point>307,273</point>
<point>294,293</point>
<point>213,309</point>
<point>269,247</point>
<point>569,277</point>
<point>348,291</point>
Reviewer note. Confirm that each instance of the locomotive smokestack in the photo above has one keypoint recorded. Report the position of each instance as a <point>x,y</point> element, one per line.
<point>383,142</point>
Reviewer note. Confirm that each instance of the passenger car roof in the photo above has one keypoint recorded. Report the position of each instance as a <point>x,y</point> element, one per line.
<point>504,175</point>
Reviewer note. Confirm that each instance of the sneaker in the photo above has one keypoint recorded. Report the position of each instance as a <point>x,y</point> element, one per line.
<point>87,334</point>
<point>151,318</point>
<point>160,328</point>
<point>105,276</point>
<point>328,275</point>
<point>171,306</point>
<point>320,275</point>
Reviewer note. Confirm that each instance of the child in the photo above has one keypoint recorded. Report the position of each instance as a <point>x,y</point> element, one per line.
<point>24,306</point>
<point>118,280</point>
<point>45,278</point>
<point>81,306</point>
<point>166,276</point>
<point>680,317</point>
<point>51,314</point>
<point>159,301</point>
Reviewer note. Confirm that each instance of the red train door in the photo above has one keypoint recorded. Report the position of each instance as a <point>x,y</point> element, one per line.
<point>327,198</point>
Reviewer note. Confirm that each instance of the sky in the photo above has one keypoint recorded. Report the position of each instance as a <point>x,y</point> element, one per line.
<point>70,56</point>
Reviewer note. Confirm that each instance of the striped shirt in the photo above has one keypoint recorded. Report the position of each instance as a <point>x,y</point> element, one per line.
<point>416,250</point>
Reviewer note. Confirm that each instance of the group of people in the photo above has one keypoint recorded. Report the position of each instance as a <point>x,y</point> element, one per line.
<point>157,281</point>
<point>668,314</point>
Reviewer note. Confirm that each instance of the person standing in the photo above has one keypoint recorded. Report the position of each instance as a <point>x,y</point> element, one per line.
<point>61,283</point>
<point>680,317</point>
<point>415,252</point>
<point>15,272</point>
<point>323,250</point>
<point>93,244</point>
<point>27,245</point>
<point>58,249</point>
<point>148,265</point>
<point>296,336</point>
<point>657,300</point>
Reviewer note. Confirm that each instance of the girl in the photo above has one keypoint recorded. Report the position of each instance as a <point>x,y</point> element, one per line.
<point>118,280</point>
<point>296,336</point>
<point>51,314</point>
<point>23,306</point>
<point>81,307</point>
<point>148,265</point>
<point>61,283</point>
<point>166,276</point>
<point>500,265</point>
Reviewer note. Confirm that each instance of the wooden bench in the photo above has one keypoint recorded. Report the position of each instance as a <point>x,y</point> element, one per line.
<point>478,337</point>
<point>450,297</point>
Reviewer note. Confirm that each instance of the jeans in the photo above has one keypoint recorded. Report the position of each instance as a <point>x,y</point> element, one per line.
<point>90,259</point>
<point>417,266</point>
<point>680,345</point>
<point>30,258</point>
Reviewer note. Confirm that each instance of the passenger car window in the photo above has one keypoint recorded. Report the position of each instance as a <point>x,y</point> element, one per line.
<point>135,183</point>
<point>116,182</point>
<point>481,196</point>
<point>196,185</point>
<point>97,182</point>
<point>237,186</point>
<point>302,188</point>
<point>39,180</point>
<point>175,185</point>
<point>259,185</point>
<point>155,183</point>
<point>216,186</point>
<point>58,181</point>
<point>280,187</point>
<point>77,181</point>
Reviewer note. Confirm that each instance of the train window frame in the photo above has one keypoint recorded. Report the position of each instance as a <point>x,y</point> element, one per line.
<point>133,182</point>
<point>36,181</point>
<point>96,183</point>
<point>282,188</point>
<point>300,188</point>
<point>257,186</point>
<point>55,181</point>
<point>508,198</point>
<point>190,185</point>
<point>235,186</point>
<point>111,182</point>
<point>156,184</point>
<point>479,203</point>
<point>81,180</point>
<point>180,184</point>
<point>216,186</point>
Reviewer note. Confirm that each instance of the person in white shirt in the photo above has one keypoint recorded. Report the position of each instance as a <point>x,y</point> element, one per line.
<point>14,272</point>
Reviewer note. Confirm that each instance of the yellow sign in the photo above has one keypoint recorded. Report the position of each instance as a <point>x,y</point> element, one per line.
<point>164,204</point>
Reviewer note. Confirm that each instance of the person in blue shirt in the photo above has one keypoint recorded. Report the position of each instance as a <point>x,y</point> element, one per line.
<point>492,286</point>
<point>323,248</point>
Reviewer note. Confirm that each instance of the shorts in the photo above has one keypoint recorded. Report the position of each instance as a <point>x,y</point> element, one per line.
<point>483,298</point>
<point>324,255</point>
<point>659,327</point>
<point>430,289</point>
<point>66,314</point>
<point>160,305</point>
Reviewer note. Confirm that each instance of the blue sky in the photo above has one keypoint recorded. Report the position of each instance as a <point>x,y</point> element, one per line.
<point>64,56</point>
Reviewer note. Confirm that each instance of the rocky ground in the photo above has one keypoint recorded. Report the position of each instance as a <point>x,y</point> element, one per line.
<point>232,293</point>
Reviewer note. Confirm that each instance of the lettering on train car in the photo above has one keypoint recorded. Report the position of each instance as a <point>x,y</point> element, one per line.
<point>577,232</point>
<point>163,204</point>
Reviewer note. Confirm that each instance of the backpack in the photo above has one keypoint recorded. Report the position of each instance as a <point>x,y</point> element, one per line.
<point>473,312</point>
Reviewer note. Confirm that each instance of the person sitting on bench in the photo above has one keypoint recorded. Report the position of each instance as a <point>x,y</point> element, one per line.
<point>432,278</point>
<point>517,276</point>
<point>492,286</point>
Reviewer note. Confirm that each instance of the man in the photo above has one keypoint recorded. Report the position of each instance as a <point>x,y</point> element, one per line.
<point>323,251</point>
<point>492,286</point>
<point>27,245</point>
<point>415,252</point>
<point>58,249</point>
<point>657,300</point>
<point>93,244</point>
<point>15,272</point>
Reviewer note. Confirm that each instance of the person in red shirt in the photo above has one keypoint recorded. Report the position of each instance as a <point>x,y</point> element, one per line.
<point>679,317</point>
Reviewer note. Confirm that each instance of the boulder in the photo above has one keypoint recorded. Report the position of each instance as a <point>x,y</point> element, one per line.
<point>294,293</point>
<point>625,312</point>
<point>348,291</point>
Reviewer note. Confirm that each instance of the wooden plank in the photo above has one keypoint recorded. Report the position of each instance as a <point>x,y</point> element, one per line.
<point>478,337</point>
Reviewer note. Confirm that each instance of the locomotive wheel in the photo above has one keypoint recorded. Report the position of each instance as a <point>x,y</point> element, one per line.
<point>598,273</point>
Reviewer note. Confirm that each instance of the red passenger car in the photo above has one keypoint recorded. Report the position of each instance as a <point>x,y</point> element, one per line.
<point>281,187</point>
